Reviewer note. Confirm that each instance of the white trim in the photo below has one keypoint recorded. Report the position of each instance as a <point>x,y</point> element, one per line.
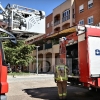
<point>91,20</point>
<point>81,22</point>
<point>47,25</point>
<point>66,13</point>
<point>81,37</point>
<point>51,23</point>
<point>81,8</point>
<point>90,4</point>
<point>94,56</point>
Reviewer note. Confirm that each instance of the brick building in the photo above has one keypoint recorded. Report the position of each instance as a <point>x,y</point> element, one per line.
<point>59,23</point>
<point>87,12</point>
<point>49,24</point>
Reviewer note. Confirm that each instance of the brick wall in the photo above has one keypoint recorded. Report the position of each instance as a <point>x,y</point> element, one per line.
<point>94,11</point>
<point>49,20</point>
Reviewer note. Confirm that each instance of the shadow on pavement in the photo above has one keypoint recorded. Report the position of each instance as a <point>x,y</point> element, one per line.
<point>74,93</point>
<point>45,93</point>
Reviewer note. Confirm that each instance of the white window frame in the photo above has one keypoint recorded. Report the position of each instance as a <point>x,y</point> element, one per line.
<point>51,23</point>
<point>81,22</point>
<point>90,19</point>
<point>47,25</point>
<point>81,8</point>
<point>66,13</point>
<point>90,4</point>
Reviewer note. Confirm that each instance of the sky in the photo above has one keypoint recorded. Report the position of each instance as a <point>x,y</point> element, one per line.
<point>45,5</point>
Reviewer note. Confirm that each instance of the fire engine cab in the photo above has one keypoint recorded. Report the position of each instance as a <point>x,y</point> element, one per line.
<point>82,55</point>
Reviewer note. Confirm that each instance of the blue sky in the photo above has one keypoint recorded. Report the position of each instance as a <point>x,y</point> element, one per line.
<point>46,5</point>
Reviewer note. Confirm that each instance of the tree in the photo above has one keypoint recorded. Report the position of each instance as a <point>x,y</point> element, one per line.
<point>18,54</point>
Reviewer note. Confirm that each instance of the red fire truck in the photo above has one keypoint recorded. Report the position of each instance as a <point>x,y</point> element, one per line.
<point>81,52</point>
<point>3,65</point>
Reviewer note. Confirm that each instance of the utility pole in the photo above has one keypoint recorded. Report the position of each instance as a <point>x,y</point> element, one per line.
<point>37,58</point>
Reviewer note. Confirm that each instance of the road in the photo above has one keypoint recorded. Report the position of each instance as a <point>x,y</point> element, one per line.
<point>43,87</point>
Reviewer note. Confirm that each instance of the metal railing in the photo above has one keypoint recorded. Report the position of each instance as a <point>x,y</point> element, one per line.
<point>40,48</point>
<point>48,46</point>
<point>66,18</point>
<point>55,42</point>
<point>56,22</point>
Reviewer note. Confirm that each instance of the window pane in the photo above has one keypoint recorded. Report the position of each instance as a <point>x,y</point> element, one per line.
<point>82,22</point>
<point>89,20</point>
<point>90,3</point>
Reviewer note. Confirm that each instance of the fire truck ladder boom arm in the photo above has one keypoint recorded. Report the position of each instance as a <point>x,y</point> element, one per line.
<point>10,36</point>
<point>23,21</point>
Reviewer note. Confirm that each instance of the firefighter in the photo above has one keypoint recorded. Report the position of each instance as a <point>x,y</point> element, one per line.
<point>61,78</point>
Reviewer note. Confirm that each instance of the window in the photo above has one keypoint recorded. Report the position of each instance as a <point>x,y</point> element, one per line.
<point>51,23</point>
<point>90,4</point>
<point>48,25</point>
<point>90,20</point>
<point>66,15</point>
<point>81,8</point>
<point>81,22</point>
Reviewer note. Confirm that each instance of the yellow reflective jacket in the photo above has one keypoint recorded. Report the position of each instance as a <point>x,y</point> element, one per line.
<point>61,73</point>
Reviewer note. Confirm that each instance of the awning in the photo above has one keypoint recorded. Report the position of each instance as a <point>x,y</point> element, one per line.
<point>53,35</point>
<point>42,38</point>
<point>69,30</point>
<point>33,37</point>
<point>62,33</point>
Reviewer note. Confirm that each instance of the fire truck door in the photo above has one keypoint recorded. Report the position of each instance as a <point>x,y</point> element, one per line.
<point>94,56</point>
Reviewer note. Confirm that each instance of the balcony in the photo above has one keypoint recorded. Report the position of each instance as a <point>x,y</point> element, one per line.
<point>55,42</point>
<point>55,48</point>
<point>56,22</point>
<point>48,46</point>
<point>65,18</point>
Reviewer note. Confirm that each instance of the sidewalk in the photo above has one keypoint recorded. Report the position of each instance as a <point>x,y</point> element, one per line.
<point>31,75</point>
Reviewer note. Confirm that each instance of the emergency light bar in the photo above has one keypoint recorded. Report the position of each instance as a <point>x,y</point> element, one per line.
<point>83,28</point>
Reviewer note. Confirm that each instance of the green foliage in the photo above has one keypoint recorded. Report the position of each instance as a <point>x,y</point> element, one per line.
<point>3,34</point>
<point>18,54</point>
<point>55,41</point>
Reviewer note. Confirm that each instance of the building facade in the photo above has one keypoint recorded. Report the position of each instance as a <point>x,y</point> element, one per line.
<point>87,12</point>
<point>63,16</point>
<point>61,23</point>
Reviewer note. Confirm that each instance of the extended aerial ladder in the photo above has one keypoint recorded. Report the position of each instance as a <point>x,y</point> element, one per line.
<point>22,21</point>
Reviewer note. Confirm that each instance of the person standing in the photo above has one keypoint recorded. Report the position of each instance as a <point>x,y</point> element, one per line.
<point>61,78</point>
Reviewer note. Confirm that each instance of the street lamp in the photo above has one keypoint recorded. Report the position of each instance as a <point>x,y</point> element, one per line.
<point>37,57</point>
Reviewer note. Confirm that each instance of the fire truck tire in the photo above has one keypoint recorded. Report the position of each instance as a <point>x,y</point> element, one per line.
<point>3,97</point>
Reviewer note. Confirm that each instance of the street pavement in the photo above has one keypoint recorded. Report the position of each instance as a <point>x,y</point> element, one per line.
<point>43,87</point>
